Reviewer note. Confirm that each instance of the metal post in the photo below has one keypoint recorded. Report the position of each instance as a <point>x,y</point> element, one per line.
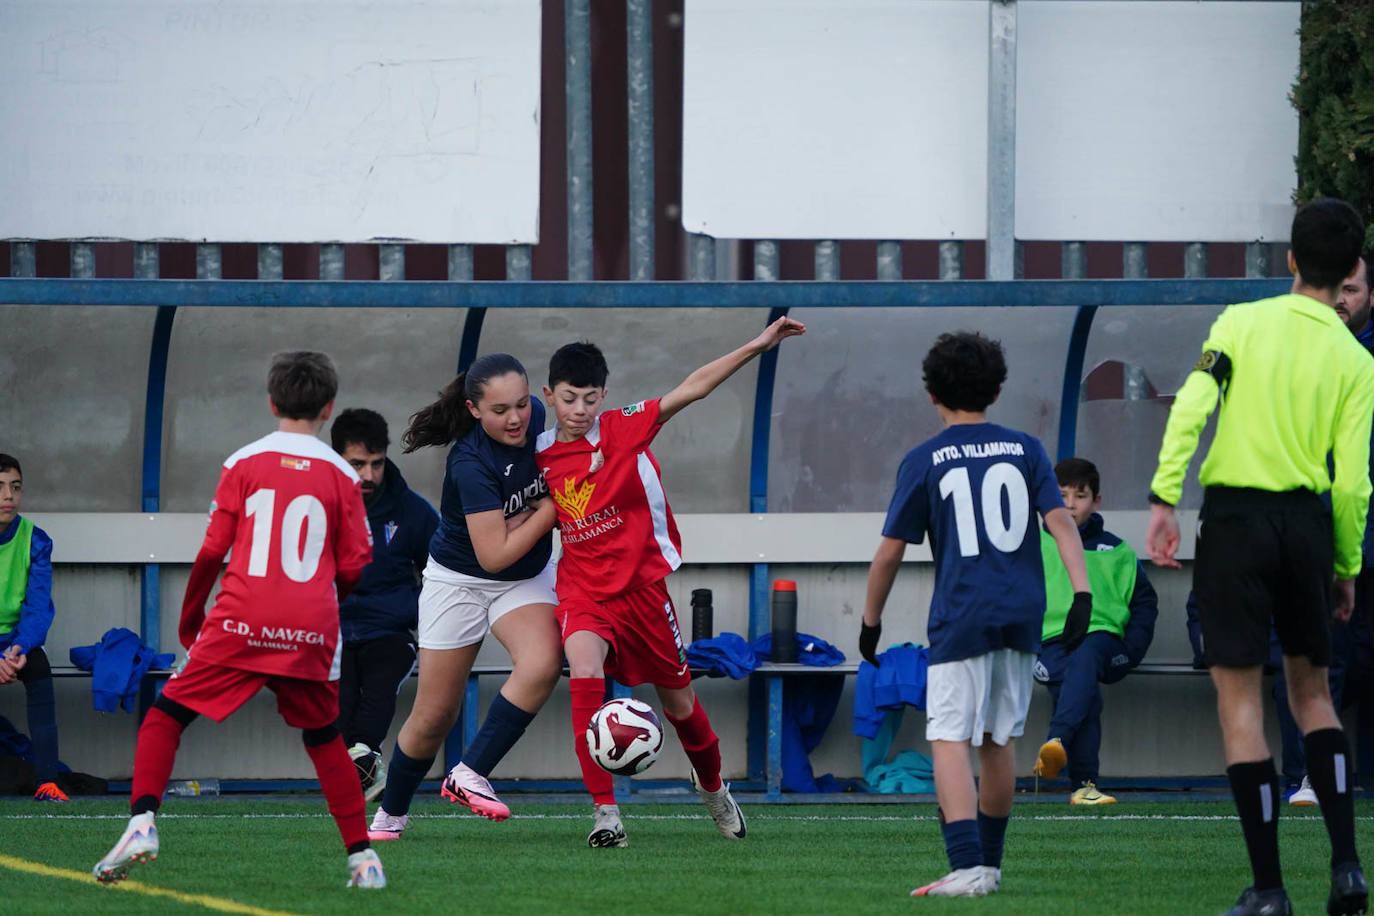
<point>701,257</point>
<point>951,260</point>
<point>147,267</point>
<point>1001,249</point>
<point>1195,260</point>
<point>460,262</point>
<point>765,260</point>
<point>391,261</point>
<point>827,260</point>
<point>578,45</point>
<point>83,260</point>
<point>1073,260</point>
<point>1135,262</point>
<point>518,262</point>
<point>889,260</point>
<point>1256,259</point>
<point>146,261</point>
<point>331,261</point>
<point>460,269</point>
<point>209,261</point>
<point>269,261</point>
<point>1073,264</point>
<point>639,20</point>
<point>23,259</point>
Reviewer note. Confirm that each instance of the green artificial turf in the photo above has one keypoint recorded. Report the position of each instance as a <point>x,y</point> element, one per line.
<point>284,855</point>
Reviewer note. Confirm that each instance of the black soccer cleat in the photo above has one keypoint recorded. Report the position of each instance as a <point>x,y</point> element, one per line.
<point>1349,892</point>
<point>1254,902</point>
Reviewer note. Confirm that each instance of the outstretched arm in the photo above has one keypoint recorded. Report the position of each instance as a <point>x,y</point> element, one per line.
<point>705,380</point>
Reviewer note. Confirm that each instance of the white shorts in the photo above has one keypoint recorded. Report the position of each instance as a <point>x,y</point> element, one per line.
<point>457,610</point>
<point>986,694</point>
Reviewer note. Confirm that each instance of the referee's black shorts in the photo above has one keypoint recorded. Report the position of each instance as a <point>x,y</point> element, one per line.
<point>1263,556</point>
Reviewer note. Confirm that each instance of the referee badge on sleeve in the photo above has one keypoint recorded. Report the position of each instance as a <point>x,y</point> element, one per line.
<point>1216,364</point>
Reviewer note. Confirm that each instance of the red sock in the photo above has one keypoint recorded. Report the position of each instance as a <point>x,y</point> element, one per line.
<point>342,790</point>
<point>701,744</point>
<point>587,696</point>
<point>158,739</point>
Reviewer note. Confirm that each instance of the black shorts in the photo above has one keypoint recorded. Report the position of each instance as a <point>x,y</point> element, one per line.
<point>1262,557</point>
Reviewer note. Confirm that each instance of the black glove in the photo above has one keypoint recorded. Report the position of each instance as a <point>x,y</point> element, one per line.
<point>1076,625</point>
<point>868,642</point>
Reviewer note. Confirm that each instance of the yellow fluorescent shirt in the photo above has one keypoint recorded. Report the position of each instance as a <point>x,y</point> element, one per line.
<point>1294,385</point>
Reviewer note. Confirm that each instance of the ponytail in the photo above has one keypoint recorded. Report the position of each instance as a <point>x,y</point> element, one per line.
<point>448,419</point>
<point>443,421</point>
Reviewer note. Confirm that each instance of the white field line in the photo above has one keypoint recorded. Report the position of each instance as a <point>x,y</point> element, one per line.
<point>754,814</point>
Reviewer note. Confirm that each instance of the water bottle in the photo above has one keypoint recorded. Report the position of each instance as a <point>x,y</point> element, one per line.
<point>784,620</point>
<point>189,788</point>
<point>702,627</point>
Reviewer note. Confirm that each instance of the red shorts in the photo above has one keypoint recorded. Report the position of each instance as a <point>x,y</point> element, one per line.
<point>216,691</point>
<point>641,628</point>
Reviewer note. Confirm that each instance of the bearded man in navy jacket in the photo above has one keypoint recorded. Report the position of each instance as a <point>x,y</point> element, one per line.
<point>379,616</point>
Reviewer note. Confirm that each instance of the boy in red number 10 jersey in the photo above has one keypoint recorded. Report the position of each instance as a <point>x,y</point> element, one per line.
<point>292,511</point>
<point>619,544</point>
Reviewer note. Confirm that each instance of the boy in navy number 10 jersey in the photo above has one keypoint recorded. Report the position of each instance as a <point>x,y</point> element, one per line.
<point>975,489</point>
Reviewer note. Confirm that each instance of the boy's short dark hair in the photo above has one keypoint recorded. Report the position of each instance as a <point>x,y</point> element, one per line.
<point>579,364</point>
<point>1326,240</point>
<point>1079,472</point>
<point>10,463</point>
<point>301,382</point>
<point>965,371</point>
<point>362,426</point>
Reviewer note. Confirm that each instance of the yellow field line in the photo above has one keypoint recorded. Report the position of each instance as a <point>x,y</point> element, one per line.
<point>205,900</point>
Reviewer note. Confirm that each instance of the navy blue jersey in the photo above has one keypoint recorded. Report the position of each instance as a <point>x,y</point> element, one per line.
<point>976,489</point>
<point>482,475</point>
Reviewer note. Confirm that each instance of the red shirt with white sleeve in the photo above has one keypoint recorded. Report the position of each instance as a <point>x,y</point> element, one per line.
<point>292,510</point>
<point>616,528</point>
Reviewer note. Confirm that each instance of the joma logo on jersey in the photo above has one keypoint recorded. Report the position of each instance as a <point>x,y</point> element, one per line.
<point>574,499</point>
<point>295,464</point>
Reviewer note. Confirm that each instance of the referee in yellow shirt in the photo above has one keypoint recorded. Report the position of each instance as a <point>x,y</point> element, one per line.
<point>1294,386</point>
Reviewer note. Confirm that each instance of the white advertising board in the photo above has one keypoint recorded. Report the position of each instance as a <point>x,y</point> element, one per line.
<point>835,118</point>
<point>1155,121</point>
<point>1137,120</point>
<point>291,120</point>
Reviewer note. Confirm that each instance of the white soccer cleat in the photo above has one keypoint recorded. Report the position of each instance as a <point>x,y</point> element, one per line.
<point>1303,796</point>
<point>962,882</point>
<point>992,877</point>
<point>371,770</point>
<point>607,829</point>
<point>137,845</point>
<point>723,809</point>
<point>465,786</point>
<point>366,870</point>
<point>387,827</point>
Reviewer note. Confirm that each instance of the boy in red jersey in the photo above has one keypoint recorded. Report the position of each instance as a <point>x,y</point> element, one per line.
<point>619,544</point>
<point>292,510</point>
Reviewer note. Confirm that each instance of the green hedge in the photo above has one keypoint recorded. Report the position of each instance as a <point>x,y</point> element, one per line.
<point>1334,96</point>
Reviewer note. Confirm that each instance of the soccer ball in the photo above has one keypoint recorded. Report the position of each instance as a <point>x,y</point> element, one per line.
<point>624,737</point>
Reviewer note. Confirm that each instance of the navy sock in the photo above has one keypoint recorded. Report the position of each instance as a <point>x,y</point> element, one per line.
<point>992,833</point>
<point>403,778</point>
<point>962,844</point>
<point>42,712</point>
<point>503,726</point>
<point>1328,767</point>
<point>1255,787</point>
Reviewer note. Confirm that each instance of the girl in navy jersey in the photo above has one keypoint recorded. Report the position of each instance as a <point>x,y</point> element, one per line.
<point>489,569</point>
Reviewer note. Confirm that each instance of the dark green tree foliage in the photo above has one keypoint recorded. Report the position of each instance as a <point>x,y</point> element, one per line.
<point>1334,96</point>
